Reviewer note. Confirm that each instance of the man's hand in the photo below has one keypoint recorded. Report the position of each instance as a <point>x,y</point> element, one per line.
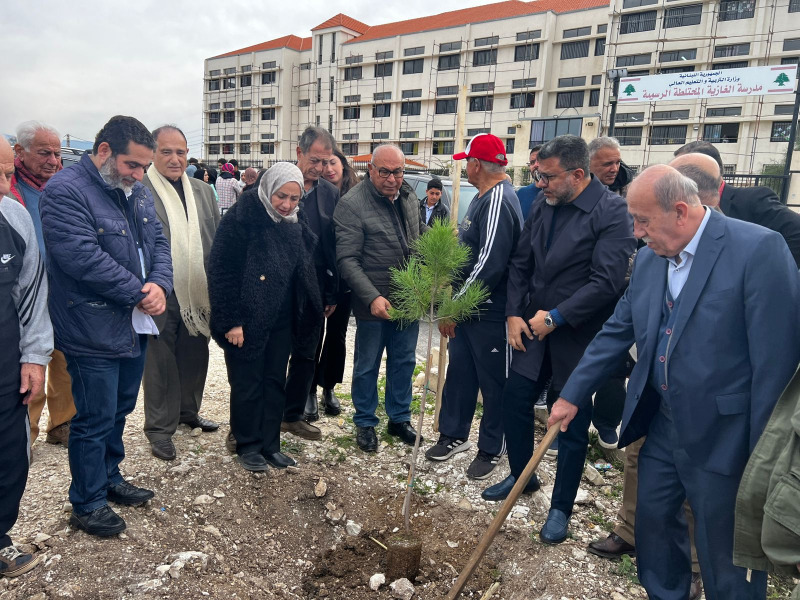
<point>155,302</point>
<point>235,336</point>
<point>380,307</point>
<point>447,328</point>
<point>516,327</point>
<point>329,308</point>
<point>32,381</point>
<point>537,325</point>
<point>562,411</point>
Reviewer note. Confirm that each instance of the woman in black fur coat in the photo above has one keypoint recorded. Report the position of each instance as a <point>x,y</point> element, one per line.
<point>263,288</point>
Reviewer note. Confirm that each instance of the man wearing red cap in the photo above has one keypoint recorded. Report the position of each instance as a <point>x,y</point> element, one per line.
<point>478,354</point>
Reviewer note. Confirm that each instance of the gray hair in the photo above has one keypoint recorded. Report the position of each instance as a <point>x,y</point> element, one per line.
<point>603,142</point>
<point>380,148</point>
<point>570,150</point>
<point>674,187</point>
<point>491,167</point>
<point>707,184</point>
<point>27,131</point>
<point>315,134</point>
<point>168,127</point>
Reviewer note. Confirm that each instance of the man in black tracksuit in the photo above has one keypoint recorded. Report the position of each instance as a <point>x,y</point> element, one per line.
<point>478,347</point>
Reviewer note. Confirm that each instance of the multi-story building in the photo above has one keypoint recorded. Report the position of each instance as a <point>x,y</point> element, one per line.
<point>525,71</point>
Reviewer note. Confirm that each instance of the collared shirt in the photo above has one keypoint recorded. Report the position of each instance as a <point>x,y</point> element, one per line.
<point>681,265</point>
<point>428,211</point>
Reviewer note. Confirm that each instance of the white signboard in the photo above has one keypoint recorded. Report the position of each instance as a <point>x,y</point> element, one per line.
<point>722,83</point>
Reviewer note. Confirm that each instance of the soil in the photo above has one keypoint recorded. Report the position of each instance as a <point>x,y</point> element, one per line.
<point>214,530</point>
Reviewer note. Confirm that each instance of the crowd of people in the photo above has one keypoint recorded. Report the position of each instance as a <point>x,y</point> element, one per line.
<point>117,272</point>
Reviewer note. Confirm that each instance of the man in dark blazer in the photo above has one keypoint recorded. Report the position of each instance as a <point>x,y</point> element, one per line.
<point>314,149</point>
<point>712,308</point>
<point>566,275</point>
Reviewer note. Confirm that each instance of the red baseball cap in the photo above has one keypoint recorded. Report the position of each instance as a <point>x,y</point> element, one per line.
<point>485,146</point>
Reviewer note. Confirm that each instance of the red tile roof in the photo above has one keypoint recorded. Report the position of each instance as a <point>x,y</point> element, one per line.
<point>477,14</point>
<point>344,21</point>
<point>288,41</point>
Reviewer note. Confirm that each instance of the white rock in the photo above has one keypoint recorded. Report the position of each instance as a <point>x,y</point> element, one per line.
<point>376,581</point>
<point>181,469</point>
<point>41,538</point>
<point>352,528</point>
<point>582,497</point>
<point>218,494</point>
<point>402,589</point>
<point>452,544</point>
<point>212,530</point>
<point>150,584</point>
<point>593,476</point>
<point>578,554</point>
<point>66,507</point>
<point>321,488</point>
<point>520,512</point>
<point>617,596</point>
<point>196,432</point>
<point>175,569</point>
<point>203,499</point>
<point>162,569</point>
<point>464,504</point>
<point>191,556</point>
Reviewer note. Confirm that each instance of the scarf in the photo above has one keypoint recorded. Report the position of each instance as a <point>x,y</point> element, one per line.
<point>274,179</point>
<point>189,274</point>
<point>21,173</point>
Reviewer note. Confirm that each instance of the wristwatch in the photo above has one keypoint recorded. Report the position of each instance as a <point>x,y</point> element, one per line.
<point>548,320</point>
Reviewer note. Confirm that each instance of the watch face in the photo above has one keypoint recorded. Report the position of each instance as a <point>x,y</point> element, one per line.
<point>548,321</point>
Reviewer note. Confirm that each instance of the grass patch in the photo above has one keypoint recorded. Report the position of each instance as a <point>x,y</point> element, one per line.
<point>478,411</point>
<point>598,519</point>
<point>779,587</point>
<point>627,569</point>
<point>291,446</point>
<point>345,442</point>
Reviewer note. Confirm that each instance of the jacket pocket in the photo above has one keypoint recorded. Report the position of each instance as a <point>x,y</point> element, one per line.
<point>780,533</point>
<point>733,404</point>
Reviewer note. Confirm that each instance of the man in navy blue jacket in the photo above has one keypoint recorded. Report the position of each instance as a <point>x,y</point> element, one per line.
<point>110,270</point>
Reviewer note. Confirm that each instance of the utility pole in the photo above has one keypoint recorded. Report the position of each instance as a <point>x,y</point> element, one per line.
<point>67,142</point>
<point>614,75</point>
<point>455,174</point>
<point>787,176</point>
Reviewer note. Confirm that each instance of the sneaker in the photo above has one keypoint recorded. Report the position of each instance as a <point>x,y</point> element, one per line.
<point>14,563</point>
<point>607,438</point>
<point>128,494</point>
<point>552,451</point>
<point>102,522</point>
<point>482,465</point>
<point>446,447</point>
<point>59,435</point>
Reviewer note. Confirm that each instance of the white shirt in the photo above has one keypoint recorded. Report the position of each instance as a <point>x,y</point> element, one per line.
<point>681,265</point>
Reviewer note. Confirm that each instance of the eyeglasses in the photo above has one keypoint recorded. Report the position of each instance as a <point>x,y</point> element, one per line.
<point>546,179</point>
<point>384,173</point>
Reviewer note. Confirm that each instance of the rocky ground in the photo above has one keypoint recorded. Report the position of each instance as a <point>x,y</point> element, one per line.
<point>316,531</point>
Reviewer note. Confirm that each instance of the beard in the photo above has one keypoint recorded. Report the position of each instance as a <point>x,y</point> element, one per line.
<point>110,174</point>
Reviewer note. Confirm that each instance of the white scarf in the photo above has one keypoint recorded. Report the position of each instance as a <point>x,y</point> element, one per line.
<point>188,271</point>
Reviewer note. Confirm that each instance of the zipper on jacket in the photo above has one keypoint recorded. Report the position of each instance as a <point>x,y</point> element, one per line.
<point>138,252</point>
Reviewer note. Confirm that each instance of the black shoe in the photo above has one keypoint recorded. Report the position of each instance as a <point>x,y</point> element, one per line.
<point>253,461</point>
<point>446,447</point>
<point>163,449</point>
<point>279,460</point>
<point>405,432</point>
<point>311,412</point>
<point>102,522</point>
<point>204,424</point>
<point>500,491</point>
<point>366,439</point>
<point>482,465</point>
<point>127,494</point>
<point>330,402</point>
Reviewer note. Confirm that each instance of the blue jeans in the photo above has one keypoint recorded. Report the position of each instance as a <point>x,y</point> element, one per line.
<point>371,339</point>
<point>105,391</point>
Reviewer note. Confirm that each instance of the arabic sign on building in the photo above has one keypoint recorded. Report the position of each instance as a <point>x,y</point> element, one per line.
<point>722,83</point>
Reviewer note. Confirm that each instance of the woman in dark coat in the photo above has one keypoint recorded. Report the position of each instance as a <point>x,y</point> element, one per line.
<point>263,288</point>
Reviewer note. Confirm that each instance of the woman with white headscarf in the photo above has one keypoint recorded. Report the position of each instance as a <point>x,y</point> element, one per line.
<point>263,289</point>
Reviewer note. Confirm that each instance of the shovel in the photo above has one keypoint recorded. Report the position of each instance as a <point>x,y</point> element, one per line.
<point>502,514</point>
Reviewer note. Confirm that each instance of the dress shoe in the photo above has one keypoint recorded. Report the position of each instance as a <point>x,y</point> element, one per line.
<point>696,589</point>
<point>279,460</point>
<point>311,411</point>
<point>127,494</point>
<point>14,563</point>
<point>500,491</point>
<point>163,449</point>
<point>307,431</point>
<point>555,528</point>
<point>330,402</point>
<point>366,439</point>
<point>611,547</point>
<point>59,435</point>
<point>253,461</point>
<point>230,443</point>
<point>404,431</point>
<point>205,424</point>
<point>102,522</point>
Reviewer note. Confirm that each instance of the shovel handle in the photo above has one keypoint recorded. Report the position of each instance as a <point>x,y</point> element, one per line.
<point>505,509</point>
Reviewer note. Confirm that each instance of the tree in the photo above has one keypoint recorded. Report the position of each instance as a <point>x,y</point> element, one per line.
<point>629,90</point>
<point>782,79</point>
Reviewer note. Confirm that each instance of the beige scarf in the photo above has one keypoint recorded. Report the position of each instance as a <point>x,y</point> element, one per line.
<point>188,271</point>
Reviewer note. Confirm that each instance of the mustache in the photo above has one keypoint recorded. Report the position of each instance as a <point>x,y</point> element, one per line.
<point>647,239</point>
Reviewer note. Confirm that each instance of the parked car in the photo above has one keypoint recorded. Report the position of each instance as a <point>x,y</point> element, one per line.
<point>70,156</point>
<point>467,193</point>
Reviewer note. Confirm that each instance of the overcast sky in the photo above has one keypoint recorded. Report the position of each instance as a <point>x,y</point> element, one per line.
<point>75,64</point>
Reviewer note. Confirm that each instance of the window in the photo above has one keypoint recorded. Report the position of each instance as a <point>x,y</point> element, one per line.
<point>213,106</point>
<point>333,48</point>
<point>387,55</point>
<point>245,80</point>
<point>681,69</point>
<point>449,47</point>
<point>350,149</point>
<point>381,96</point>
<point>373,146</point>
<point>409,148</point>
<point>739,64</point>
<point>267,114</point>
<point>637,3</point>
<point>444,107</point>
<point>268,101</point>
<point>319,89</point>
<point>354,60</point>
<point>780,131</point>
<point>733,10</point>
<point>600,47</point>
<point>574,50</point>
<point>267,147</point>
<point>269,65</point>
<point>523,100</point>
<point>230,71</point>
<point>474,132</point>
<point>668,115</point>
<point>731,50</point>
<point>638,72</point>
<point>244,115</point>
<point>305,66</point>
<point>597,79</point>
<point>245,137</point>
<point>245,103</point>
<point>227,148</point>
<point>229,116</point>
<point>214,73</point>
<point>228,138</point>
<point>380,135</point>
<point>443,147</point>
<point>412,93</point>
<point>663,135</point>
<point>412,108</point>
<point>304,102</point>
<point>383,69</point>
<point>630,60</point>
<point>602,28</point>
<point>569,99</point>
<point>676,55</point>
<point>449,61</point>
<point>350,136</point>
<point>213,148</point>
<point>229,105</point>
<point>487,41</point>
<point>638,22</point>
<point>229,83</point>
<point>447,90</point>
<point>784,109</point>
<point>594,97</point>
<point>791,44</point>
<point>628,136</point>
<point>267,136</point>
<point>244,148</point>
<point>482,58</point>
<point>352,73</point>
<point>412,66</point>
<point>509,146</point>
<point>268,78</point>
<point>571,81</point>
<point>351,112</point>
<point>545,130</point>
<point>524,36</point>
<point>417,50</point>
<point>213,85</point>
<point>444,133</point>
<point>319,45</point>
<point>724,111</point>
<point>790,60</point>
<point>331,90</point>
<point>523,83</point>
<point>409,134</point>
<point>577,32</point>
<point>353,98</point>
<point>634,117</point>
<point>526,52</point>
<point>381,110</point>
<point>721,133</point>
<point>481,103</point>
<point>213,118</point>
<point>794,6</point>
<point>682,16</point>
<point>482,87</point>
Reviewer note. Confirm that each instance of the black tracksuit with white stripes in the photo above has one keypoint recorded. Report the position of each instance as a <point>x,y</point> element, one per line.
<point>491,229</point>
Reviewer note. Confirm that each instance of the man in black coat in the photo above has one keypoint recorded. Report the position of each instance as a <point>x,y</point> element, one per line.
<point>314,149</point>
<point>431,207</point>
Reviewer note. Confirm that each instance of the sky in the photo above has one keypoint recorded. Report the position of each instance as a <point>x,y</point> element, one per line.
<point>73,65</point>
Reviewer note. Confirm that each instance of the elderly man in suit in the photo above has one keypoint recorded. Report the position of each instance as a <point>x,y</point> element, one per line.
<point>177,358</point>
<point>711,306</point>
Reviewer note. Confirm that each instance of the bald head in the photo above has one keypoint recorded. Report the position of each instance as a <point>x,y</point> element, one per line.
<point>704,171</point>
<point>6,166</point>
